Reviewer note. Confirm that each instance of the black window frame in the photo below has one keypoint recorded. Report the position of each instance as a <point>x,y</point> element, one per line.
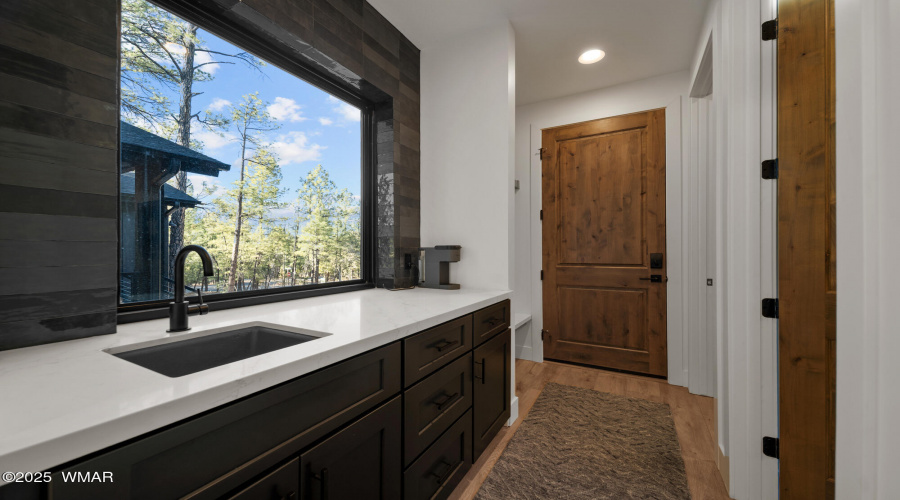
<point>256,41</point>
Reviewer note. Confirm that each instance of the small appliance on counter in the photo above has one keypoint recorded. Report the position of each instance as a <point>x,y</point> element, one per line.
<point>436,266</point>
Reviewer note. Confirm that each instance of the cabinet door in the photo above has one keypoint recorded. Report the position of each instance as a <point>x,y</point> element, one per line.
<point>435,474</point>
<point>281,484</point>
<point>361,461</point>
<point>491,378</point>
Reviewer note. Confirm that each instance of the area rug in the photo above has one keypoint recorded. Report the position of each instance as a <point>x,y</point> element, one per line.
<point>581,444</point>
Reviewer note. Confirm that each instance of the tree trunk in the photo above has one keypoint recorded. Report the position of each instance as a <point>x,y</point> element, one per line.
<point>176,239</point>
<point>236,250</point>
<point>254,285</point>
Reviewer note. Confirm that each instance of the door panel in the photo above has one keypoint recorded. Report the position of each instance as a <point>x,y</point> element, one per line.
<point>604,213</point>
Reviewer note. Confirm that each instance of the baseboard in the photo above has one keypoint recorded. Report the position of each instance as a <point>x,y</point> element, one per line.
<point>513,411</point>
<point>722,464</point>
<point>523,352</point>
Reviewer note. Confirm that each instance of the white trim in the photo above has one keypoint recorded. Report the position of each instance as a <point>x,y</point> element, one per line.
<point>513,410</point>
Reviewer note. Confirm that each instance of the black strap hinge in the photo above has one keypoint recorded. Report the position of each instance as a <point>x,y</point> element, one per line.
<point>543,335</point>
<point>542,275</point>
<point>542,214</point>
<point>770,169</point>
<point>770,447</point>
<point>541,153</point>
<point>770,308</point>
<point>770,30</point>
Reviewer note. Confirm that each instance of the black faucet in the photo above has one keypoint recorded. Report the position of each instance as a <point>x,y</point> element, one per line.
<point>180,309</point>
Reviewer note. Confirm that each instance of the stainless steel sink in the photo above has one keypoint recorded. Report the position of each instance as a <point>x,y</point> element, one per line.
<point>205,350</point>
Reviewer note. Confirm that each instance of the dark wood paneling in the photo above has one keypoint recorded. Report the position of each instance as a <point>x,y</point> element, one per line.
<point>17,63</point>
<point>31,307</point>
<point>26,280</point>
<point>55,253</point>
<point>45,123</point>
<point>16,334</point>
<point>52,202</point>
<point>40,96</point>
<point>58,170</point>
<point>35,174</point>
<point>39,227</point>
<point>15,144</point>
<point>49,18</point>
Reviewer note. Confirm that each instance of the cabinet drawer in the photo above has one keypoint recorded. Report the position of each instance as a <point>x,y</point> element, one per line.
<point>426,352</point>
<point>436,473</point>
<point>284,483</point>
<point>432,405</point>
<point>490,321</point>
<point>233,444</point>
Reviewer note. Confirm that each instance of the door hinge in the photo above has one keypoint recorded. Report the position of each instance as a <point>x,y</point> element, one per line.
<point>541,153</point>
<point>770,169</point>
<point>542,275</point>
<point>770,447</point>
<point>542,214</point>
<point>770,308</point>
<point>770,30</point>
<point>543,335</point>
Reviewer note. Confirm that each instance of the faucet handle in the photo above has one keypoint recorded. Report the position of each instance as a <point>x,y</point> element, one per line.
<point>200,308</point>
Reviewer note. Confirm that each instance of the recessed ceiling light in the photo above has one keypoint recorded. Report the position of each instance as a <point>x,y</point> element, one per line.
<point>591,56</point>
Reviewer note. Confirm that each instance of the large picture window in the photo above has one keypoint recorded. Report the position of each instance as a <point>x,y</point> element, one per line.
<point>222,149</point>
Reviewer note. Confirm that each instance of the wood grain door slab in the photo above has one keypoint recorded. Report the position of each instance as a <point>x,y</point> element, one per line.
<point>604,214</point>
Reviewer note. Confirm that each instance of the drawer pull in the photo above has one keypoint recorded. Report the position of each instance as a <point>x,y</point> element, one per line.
<point>492,321</point>
<point>446,400</point>
<point>481,378</point>
<point>290,496</point>
<point>445,344</point>
<point>323,478</point>
<point>443,477</point>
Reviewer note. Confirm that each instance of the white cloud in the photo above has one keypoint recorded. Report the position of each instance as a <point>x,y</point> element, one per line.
<point>294,147</point>
<point>286,109</point>
<point>218,104</point>
<point>212,140</point>
<point>344,110</point>
<point>198,182</point>
<point>199,57</point>
<point>325,121</point>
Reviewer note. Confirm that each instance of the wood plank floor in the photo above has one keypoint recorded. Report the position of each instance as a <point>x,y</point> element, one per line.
<point>694,421</point>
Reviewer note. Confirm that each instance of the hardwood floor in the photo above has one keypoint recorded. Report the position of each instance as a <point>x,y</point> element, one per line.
<point>694,421</point>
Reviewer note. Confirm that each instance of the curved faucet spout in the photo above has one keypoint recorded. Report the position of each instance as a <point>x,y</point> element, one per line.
<point>179,267</point>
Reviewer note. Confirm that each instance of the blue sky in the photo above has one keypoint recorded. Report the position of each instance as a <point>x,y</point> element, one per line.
<point>316,128</point>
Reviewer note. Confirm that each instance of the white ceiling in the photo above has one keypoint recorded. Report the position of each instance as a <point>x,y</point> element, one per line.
<point>642,38</point>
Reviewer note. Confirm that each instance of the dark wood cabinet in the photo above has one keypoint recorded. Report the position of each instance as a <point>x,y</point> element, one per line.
<point>432,405</point>
<point>491,371</point>
<point>490,321</point>
<point>405,420</point>
<point>426,352</point>
<point>281,484</point>
<point>361,461</point>
<point>434,475</point>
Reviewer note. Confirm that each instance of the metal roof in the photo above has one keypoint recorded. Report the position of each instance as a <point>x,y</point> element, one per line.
<point>137,142</point>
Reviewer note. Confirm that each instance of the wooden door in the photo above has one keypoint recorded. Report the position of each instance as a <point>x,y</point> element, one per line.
<point>807,282</point>
<point>604,213</point>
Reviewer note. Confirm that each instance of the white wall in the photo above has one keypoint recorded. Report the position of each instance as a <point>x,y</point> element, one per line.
<point>867,42</point>
<point>467,141</point>
<point>467,113</point>
<point>652,93</point>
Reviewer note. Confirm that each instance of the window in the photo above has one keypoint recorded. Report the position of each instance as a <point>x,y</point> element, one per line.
<point>221,149</point>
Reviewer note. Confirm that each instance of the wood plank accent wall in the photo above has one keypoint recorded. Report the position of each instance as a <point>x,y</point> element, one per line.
<point>58,170</point>
<point>806,247</point>
<point>59,140</point>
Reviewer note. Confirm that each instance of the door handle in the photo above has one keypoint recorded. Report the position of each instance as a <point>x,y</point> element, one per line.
<point>323,478</point>
<point>482,370</point>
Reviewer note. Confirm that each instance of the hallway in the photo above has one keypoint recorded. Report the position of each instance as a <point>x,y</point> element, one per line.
<point>694,420</point>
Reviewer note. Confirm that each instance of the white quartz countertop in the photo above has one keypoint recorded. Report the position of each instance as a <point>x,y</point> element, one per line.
<point>65,400</point>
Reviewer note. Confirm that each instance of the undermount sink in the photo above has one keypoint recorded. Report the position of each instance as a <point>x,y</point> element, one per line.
<point>205,350</point>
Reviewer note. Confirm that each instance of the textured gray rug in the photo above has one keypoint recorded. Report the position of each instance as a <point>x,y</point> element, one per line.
<point>583,444</point>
